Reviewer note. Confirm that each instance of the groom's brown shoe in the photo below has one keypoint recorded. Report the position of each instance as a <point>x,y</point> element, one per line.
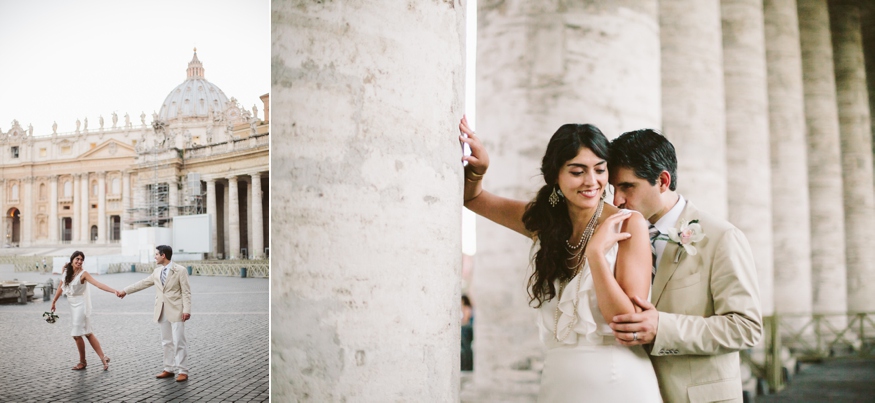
<point>164,374</point>
<point>182,378</point>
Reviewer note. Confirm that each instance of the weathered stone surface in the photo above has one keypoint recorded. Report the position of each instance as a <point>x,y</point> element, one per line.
<point>856,135</point>
<point>747,134</point>
<point>790,212</point>
<point>366,199</point>
<point>828,262</point>
<point>693,105</point>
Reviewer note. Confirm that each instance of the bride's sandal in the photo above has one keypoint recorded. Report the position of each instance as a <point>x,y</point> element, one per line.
<point>105,363</point>
<point>80,366</point>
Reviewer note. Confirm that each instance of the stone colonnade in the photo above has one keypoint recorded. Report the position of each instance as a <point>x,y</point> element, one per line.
<point>80,201</point>
<point>366,200</point>
<point>227,234</point>
<point>767,104</point>
<point>58,208</point>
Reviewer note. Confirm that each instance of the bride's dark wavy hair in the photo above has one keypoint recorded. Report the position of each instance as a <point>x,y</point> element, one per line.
<point>552,225</point>
<point>68,267</point>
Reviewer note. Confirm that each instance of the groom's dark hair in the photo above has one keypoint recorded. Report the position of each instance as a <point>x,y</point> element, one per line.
<point>647,153</point>
<point>165,250</point>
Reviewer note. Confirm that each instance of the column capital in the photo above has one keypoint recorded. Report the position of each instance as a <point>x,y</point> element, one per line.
<point>54,178</point>
<point>101,175</point>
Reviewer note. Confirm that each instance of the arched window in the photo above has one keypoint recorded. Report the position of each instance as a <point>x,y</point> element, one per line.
<point>42,191</point>
<point>68,189</point>
<point>116,186</point>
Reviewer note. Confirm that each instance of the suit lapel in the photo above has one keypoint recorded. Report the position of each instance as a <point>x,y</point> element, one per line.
<point>667,264</point>
<point>171,274</point>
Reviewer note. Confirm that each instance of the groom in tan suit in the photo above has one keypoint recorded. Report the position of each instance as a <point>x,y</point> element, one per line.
<point>172,309</point>
<point>704,305</point>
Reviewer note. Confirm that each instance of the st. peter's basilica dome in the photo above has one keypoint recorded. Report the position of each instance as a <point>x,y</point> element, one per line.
<point>195,97</point>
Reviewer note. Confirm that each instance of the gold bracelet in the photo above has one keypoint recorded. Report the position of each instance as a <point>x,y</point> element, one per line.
<point>472,176</point>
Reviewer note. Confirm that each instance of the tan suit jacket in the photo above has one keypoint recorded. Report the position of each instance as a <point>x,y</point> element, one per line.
<point>709,309</point>
<point>174,297</point>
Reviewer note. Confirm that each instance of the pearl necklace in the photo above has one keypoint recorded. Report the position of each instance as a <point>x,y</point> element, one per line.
<point>580,262</point>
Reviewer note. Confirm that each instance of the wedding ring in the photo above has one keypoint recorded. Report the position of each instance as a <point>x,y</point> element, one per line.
<point>634,336</point>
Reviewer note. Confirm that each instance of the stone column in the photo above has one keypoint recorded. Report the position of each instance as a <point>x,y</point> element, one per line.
<point>867,23</point>
<point>233,218</point>
<point>790,212</point>
<point>747,134</point>
<point>214,222</point>
<point>828,259</point>
<point>54,224</point>
<point>256,237</point>
<point>856,135</point>
<point>77,209</point>
<point>27,213</point>
<point>337,314</point>
<point>126,198</point>
<point>173,197</point>
<point>101,208</point>
<point>693,103</point>
<point>86,208</point>
<point>226,222</point>
<point>3,213</point>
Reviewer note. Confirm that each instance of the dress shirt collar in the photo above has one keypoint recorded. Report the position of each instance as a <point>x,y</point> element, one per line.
<point>670,219</point>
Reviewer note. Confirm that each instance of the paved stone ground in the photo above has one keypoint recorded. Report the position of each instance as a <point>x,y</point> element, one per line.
<point>845,380</point>
<point>838,381</point>
<point>228,343</point>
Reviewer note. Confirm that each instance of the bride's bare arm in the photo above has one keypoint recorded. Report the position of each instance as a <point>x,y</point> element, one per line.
<point>501,210</point>
<point>631,276</point>
<point>89,278</point>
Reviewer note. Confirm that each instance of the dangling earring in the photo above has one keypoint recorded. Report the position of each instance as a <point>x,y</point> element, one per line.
<point>554,197</point>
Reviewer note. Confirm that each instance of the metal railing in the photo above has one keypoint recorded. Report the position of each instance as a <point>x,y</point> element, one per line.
<point>812,338</point>
<point>254,268</point>
<point>29,263</point>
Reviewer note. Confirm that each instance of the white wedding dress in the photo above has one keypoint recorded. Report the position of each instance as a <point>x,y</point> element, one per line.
<point>589,365</point>
<point>80,305</point>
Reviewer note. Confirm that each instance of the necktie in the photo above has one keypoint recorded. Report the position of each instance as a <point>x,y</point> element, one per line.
<point>654,233</point>
<point>163,275</point>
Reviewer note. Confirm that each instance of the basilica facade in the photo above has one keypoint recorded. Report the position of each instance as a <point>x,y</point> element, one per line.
<point>202,153</point>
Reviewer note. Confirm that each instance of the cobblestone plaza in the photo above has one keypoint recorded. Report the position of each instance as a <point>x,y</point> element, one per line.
<point>228,343</point>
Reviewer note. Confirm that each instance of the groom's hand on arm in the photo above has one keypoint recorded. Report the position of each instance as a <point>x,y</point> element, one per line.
<point>633,329</point>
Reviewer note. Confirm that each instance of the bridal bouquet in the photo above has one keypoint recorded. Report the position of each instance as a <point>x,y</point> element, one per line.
<point>50,317</point>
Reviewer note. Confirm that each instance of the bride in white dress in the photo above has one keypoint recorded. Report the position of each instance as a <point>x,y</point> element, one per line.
<point>590,259</point>
<point>74,286</point>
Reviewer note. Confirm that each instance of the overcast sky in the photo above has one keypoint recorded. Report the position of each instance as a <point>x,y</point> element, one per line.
<point>63,60</point>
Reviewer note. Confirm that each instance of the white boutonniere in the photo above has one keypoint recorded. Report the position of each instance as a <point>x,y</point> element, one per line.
<point>689,233</point>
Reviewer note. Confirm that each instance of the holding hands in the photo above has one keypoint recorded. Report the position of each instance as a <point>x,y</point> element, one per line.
<point>120,294</point>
